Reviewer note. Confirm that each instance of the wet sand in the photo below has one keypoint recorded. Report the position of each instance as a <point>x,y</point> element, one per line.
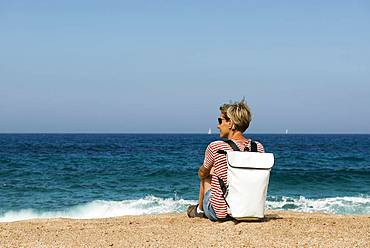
<point>279,229</point>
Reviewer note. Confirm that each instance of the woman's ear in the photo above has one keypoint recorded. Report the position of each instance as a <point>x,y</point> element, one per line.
<point>231,125</point>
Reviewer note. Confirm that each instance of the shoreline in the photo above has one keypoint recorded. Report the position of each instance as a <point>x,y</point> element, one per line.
<point>279,229</point>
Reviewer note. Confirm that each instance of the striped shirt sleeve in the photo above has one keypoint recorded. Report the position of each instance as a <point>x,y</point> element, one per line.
<point>260,147</point>
<point>208,157</point>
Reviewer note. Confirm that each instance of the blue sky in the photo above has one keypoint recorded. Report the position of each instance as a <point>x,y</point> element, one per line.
<point>167,66</point>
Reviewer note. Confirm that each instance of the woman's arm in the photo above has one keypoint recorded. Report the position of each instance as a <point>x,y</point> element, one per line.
<point>204,172</point>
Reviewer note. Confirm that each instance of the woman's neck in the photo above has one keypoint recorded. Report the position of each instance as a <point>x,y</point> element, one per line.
<point>237,135</point>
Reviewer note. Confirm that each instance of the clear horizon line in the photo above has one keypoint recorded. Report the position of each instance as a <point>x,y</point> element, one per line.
<point>291,133</point>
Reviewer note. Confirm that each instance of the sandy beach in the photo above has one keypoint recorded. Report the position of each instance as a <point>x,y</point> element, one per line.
<point>279,229</point>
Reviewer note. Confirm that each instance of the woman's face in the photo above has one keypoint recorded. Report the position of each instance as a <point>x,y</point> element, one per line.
<point>223,126</point>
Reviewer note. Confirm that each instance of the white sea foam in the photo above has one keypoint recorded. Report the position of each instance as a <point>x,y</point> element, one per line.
<point>104,209</point>
<point>156,205</point>
<point>335,205</point>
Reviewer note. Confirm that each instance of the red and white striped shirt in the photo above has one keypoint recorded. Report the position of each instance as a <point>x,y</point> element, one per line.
<point>219,164</point>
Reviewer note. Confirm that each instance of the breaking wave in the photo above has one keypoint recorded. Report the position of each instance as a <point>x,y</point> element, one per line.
<point>104,209</point>
<point>334,205</point>
<point>155,205</point>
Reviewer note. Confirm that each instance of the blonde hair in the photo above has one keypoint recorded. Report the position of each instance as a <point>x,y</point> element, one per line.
<point>239,113</point>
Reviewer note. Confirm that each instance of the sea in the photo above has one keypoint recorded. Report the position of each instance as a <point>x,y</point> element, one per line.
<point>86,176</point>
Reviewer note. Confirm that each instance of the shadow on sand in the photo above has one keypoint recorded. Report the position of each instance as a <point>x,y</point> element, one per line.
<point>267,218</point>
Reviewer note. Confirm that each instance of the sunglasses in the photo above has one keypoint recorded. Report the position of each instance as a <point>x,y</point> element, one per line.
<point>220,120</point>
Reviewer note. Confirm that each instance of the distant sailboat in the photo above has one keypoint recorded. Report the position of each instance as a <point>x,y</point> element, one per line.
<point>209,131</point>
<point>286,131</point>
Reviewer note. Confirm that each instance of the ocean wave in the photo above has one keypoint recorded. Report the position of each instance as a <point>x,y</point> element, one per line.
<point>104,209</point>
<point>156,205</point>
<point>335,205</point>
<point>350,159</point>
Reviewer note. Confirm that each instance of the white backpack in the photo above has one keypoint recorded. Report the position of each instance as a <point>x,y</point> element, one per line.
<point>248,176</point>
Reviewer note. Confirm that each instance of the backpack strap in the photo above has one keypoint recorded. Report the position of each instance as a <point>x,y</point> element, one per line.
<point>236,148</point>
<point>253,147</point>
<point>223,186</point>
<point>233,145</point>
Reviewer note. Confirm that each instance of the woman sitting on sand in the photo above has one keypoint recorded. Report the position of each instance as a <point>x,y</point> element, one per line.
<point>233,121</point>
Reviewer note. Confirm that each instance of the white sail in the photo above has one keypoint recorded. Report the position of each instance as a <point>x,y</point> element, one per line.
<point>286,131</point>
<point>209,131</point>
